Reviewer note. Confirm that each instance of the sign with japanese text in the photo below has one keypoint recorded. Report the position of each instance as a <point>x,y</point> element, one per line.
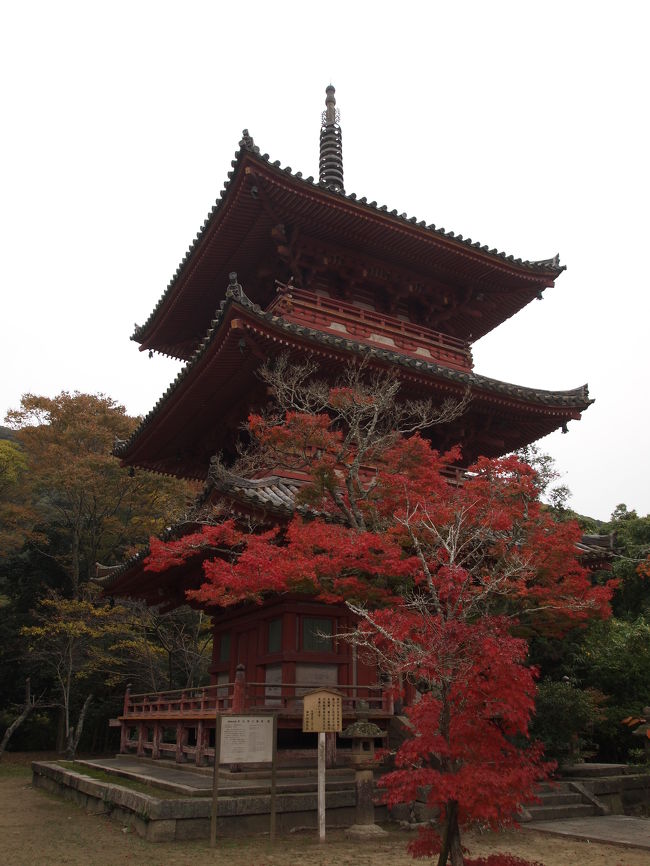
<point>241,739</point>
<point>322,711</point>
<point>246,739</point>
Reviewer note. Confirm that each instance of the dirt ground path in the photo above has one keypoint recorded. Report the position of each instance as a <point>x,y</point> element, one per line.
<point>38,828</point>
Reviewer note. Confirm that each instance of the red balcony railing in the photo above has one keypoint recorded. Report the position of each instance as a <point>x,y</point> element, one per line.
<point>388,332</point>
<point>178,724</point>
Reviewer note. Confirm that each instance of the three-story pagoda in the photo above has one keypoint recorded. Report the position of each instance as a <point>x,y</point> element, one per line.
<point>310,270</point>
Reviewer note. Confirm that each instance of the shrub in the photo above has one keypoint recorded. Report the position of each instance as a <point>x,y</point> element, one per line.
<point>564,719</point>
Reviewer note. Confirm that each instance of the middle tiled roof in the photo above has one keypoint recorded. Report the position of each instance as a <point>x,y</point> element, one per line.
<point>221,367</point>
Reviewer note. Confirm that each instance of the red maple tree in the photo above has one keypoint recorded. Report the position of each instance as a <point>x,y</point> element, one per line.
<point>442,577</point>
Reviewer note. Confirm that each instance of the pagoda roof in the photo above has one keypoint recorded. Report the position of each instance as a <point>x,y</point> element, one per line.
<point>166,589</point>
<point>476,287</point>
<point>273,494</point>
<point>211,396</point>
<point>273,498</point>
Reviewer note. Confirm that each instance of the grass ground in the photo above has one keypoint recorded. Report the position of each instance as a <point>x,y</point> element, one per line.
<point>39,828</point>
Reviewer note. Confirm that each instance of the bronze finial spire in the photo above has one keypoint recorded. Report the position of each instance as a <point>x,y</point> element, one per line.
<point>331,147</point>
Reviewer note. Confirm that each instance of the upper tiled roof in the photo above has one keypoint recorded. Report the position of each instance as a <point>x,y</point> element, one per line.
<point>546,269</point>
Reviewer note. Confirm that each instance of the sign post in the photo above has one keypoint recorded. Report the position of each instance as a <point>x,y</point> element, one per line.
<point>215,782</point>
<point>244,739</point>
<point>273,776</point>
<point>321,785</point>
<point>322,713</point>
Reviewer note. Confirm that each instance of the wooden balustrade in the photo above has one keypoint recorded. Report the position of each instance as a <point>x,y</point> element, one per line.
<point>332,314</point>
<point>287,698</point>
<point>204,700</point>
<point>180,724</point>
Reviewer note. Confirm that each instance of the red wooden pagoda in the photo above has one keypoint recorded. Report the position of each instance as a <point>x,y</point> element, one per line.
<point>357,280</point>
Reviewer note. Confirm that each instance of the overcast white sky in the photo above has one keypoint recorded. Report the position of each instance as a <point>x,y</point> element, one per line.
<point>522,125</point>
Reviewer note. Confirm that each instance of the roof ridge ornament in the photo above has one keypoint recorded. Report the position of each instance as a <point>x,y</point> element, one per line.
<point>553,263</point>
<point>247,142</point>
<point>331,147</point>
<point>234,289</point>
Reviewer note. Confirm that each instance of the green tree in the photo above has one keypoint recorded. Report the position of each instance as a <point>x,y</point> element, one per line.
<point>565,717</point>
<point>632,597</point>
<point>73,641</point>
<point>66,503</point>
<point>12,465</point>
<point>88,506</point>
<point>615,659</point>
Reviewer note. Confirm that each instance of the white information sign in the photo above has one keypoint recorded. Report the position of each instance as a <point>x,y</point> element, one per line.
<point>241,739</point>
<point>246,739</point>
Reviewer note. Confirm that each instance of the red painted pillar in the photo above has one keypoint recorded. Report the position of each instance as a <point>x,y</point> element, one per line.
<point>200,743</point>
<point>239,691</point>
<point>141,730</point>
<point>124,727</point>
<point>155,745</point>
<point>181,740</point>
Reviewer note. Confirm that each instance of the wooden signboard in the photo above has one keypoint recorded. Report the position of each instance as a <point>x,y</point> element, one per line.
<point>322,711</point>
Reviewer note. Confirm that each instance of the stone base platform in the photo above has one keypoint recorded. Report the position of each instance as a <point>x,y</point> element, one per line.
<point>241,812</point>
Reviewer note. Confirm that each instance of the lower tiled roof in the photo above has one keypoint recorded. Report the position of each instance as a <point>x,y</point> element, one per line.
<point>273,492</point>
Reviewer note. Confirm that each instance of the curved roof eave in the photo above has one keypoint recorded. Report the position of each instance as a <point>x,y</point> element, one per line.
<point>575,400</point>
<point>545,268</point>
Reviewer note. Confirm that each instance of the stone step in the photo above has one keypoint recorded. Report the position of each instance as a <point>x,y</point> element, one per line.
<point>558,798</point>
<point>291,770</point>
<point>305,773</point>
<point>552,786</point>
<point>553,813</point>
<point>288,787</point>
<point>236,785</point>
<point>588,771</point>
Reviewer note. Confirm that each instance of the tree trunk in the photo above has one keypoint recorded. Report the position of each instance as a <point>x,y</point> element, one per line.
<point>75,563</point>
<point>74,734</point>
<point>451,847</point>
<point>66,684</point>
<point>451,850</point>
<point>60,732</point>
<point>29,706</point>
